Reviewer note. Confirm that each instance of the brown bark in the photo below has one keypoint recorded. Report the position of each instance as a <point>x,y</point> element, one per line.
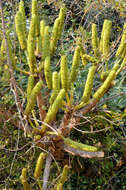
<point>82,153</point>
<point>87,108</point>
<point>41,104</point>
<point>47,171</point>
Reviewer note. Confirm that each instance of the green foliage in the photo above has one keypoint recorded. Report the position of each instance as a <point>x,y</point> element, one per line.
<point>42,56</point>
<point>64,73</point>
<point>32,97</point>
<point>39,166</point>
<point>79,146</point>
<point>48,73</point>
<point>53,109</point>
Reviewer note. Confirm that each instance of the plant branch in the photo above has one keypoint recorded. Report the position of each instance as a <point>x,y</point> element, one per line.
<point>41,104</point>
<point>87,108</point>
<point>47,171</point>
<point>82,153</point>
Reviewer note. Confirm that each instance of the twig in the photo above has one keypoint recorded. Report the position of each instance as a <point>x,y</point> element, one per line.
<point>41,103</point>
<point>87,108</point>
<point>91,132</point>
<point>17,149</point>
<point>13,160</point>
<point>120,171</point>
<point>47,171</point>
<point>109,98</point>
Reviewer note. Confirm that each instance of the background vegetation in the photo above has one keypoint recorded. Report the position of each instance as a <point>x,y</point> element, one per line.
<point>108,119</point>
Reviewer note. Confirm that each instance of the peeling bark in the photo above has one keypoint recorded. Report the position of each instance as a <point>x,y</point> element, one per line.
<point>82,153</point>
<point>47,171</point>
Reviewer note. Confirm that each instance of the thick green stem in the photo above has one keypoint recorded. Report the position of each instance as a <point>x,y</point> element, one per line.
<point>122,46</point>
<point>79,146</point>
<point>23,179</point>
<point>39,165</point>
<point>32,98</point>
<point>75,65</point>
<point>89,84</point>
<point>95,39</point>
<point>101,91</point>
<point>53,109</point>
<point>64,73</point>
